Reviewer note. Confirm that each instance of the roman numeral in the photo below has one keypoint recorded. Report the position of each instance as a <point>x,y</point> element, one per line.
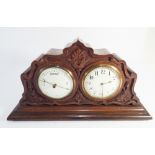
<point>96,73</point>
<point>102,71</point>
<point>91,77</point>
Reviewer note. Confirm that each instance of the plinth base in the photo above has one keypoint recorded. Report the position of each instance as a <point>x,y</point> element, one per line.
<point>25,112</point>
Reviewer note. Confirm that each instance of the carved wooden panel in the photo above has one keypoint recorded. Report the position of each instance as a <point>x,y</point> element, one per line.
<point>77,58</point>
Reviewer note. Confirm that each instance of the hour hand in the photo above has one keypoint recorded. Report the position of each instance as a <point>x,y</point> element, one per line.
<point>102,83</point>
<point>107,82</point>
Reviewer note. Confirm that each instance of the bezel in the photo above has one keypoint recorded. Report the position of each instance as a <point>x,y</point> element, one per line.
<point>101,64</point>
<point>67,69</point>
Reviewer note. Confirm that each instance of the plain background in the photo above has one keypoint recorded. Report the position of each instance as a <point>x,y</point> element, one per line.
<point>20,46</point>
<point>77,13</point>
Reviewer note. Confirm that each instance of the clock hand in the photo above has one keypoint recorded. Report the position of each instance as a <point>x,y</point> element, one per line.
<point>102,90</point>
<point>107,82</point>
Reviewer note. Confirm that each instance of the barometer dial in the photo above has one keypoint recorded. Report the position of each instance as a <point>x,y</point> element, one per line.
<point>56,82</point>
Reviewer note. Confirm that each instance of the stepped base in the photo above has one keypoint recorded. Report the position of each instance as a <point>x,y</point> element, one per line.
<point>22,112</point>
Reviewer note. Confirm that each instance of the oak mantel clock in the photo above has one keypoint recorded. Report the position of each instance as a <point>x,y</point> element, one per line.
<point>78,85</point>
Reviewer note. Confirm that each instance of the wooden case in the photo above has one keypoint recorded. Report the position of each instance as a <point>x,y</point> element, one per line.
<point>77,106</point>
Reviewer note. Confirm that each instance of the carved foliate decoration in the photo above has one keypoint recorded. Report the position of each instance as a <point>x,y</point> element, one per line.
<point>77,58</point>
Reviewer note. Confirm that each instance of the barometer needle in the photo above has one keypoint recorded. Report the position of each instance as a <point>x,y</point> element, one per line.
<point>63,87</point>
<point>54,84</point>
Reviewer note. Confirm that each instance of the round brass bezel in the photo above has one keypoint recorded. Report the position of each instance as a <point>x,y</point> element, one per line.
<point>66,70</point>
<point>109,65</point>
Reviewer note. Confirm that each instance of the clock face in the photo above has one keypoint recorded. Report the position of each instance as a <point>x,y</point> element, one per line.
<point>102,82</point>
<point>55,82</point>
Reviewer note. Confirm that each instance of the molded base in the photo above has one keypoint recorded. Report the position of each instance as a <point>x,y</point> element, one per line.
<point>25,112</point>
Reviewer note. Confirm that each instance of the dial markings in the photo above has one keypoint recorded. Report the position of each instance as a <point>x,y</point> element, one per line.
<point>91,77</point>
<point>104,81</point>
<point>55,82</point>
<point>96,73</point>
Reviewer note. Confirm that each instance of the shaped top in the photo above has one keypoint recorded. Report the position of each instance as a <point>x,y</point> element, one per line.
<point>54,51</point>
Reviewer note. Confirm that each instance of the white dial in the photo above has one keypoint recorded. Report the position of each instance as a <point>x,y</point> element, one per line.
<point>102,82</point>
<point>55,82</point>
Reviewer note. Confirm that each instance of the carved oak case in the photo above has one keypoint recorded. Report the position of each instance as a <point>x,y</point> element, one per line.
<point>77,59</point>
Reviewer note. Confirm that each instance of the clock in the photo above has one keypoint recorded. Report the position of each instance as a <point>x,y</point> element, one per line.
<point>102,81</point>
<point>78,84</point>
